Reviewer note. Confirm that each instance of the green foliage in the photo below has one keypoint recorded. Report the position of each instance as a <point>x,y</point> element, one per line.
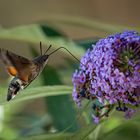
<point>128,131</point>
<point>34,34</point>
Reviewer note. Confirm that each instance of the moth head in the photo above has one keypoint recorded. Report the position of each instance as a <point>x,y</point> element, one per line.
<point>44,59</point>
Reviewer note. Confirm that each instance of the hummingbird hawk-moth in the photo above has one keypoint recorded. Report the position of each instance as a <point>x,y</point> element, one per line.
<point>23,69</point>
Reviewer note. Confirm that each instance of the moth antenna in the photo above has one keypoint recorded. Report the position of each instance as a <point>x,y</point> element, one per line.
<point>68,52</point>
<point>40,48</point>
<point>47,49</point>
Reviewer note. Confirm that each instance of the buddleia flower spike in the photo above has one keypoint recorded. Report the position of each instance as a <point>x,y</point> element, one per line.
<point>110,74</point>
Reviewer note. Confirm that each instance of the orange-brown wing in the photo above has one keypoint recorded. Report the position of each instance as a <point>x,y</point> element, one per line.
<point>17,65</point>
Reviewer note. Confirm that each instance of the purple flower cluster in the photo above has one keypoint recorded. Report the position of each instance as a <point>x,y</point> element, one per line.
<point>110,73</point>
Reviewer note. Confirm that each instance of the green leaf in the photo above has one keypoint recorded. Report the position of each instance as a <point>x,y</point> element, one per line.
<point>50,76</point>
<point>63,113</point>
<point>8,133</point>
<point>51,32</point>
<point>86,43</point>
<point>49,137</point>
<point>84,132</point>
<point>125,131</point>
<point>34,34</point>
<point>36,92</point>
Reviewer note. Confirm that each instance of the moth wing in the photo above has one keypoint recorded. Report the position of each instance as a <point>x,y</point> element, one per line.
<point>17,65</point>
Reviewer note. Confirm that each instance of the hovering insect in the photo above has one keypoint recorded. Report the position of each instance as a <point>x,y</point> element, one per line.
<point>23,69</point>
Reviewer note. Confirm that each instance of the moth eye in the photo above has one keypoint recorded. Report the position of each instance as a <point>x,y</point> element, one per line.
<point>45,58</point>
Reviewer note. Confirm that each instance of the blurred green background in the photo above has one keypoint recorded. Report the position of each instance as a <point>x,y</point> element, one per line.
<point>45,110</point>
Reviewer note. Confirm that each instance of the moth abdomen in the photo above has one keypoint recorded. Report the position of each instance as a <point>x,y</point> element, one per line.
<point>13,89</point>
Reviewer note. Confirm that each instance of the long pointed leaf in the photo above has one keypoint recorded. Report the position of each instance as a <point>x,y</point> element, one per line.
<point>36,92</point>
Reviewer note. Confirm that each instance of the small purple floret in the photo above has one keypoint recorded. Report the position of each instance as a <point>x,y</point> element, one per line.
<point>129,113</point>
<point>96,119</point>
